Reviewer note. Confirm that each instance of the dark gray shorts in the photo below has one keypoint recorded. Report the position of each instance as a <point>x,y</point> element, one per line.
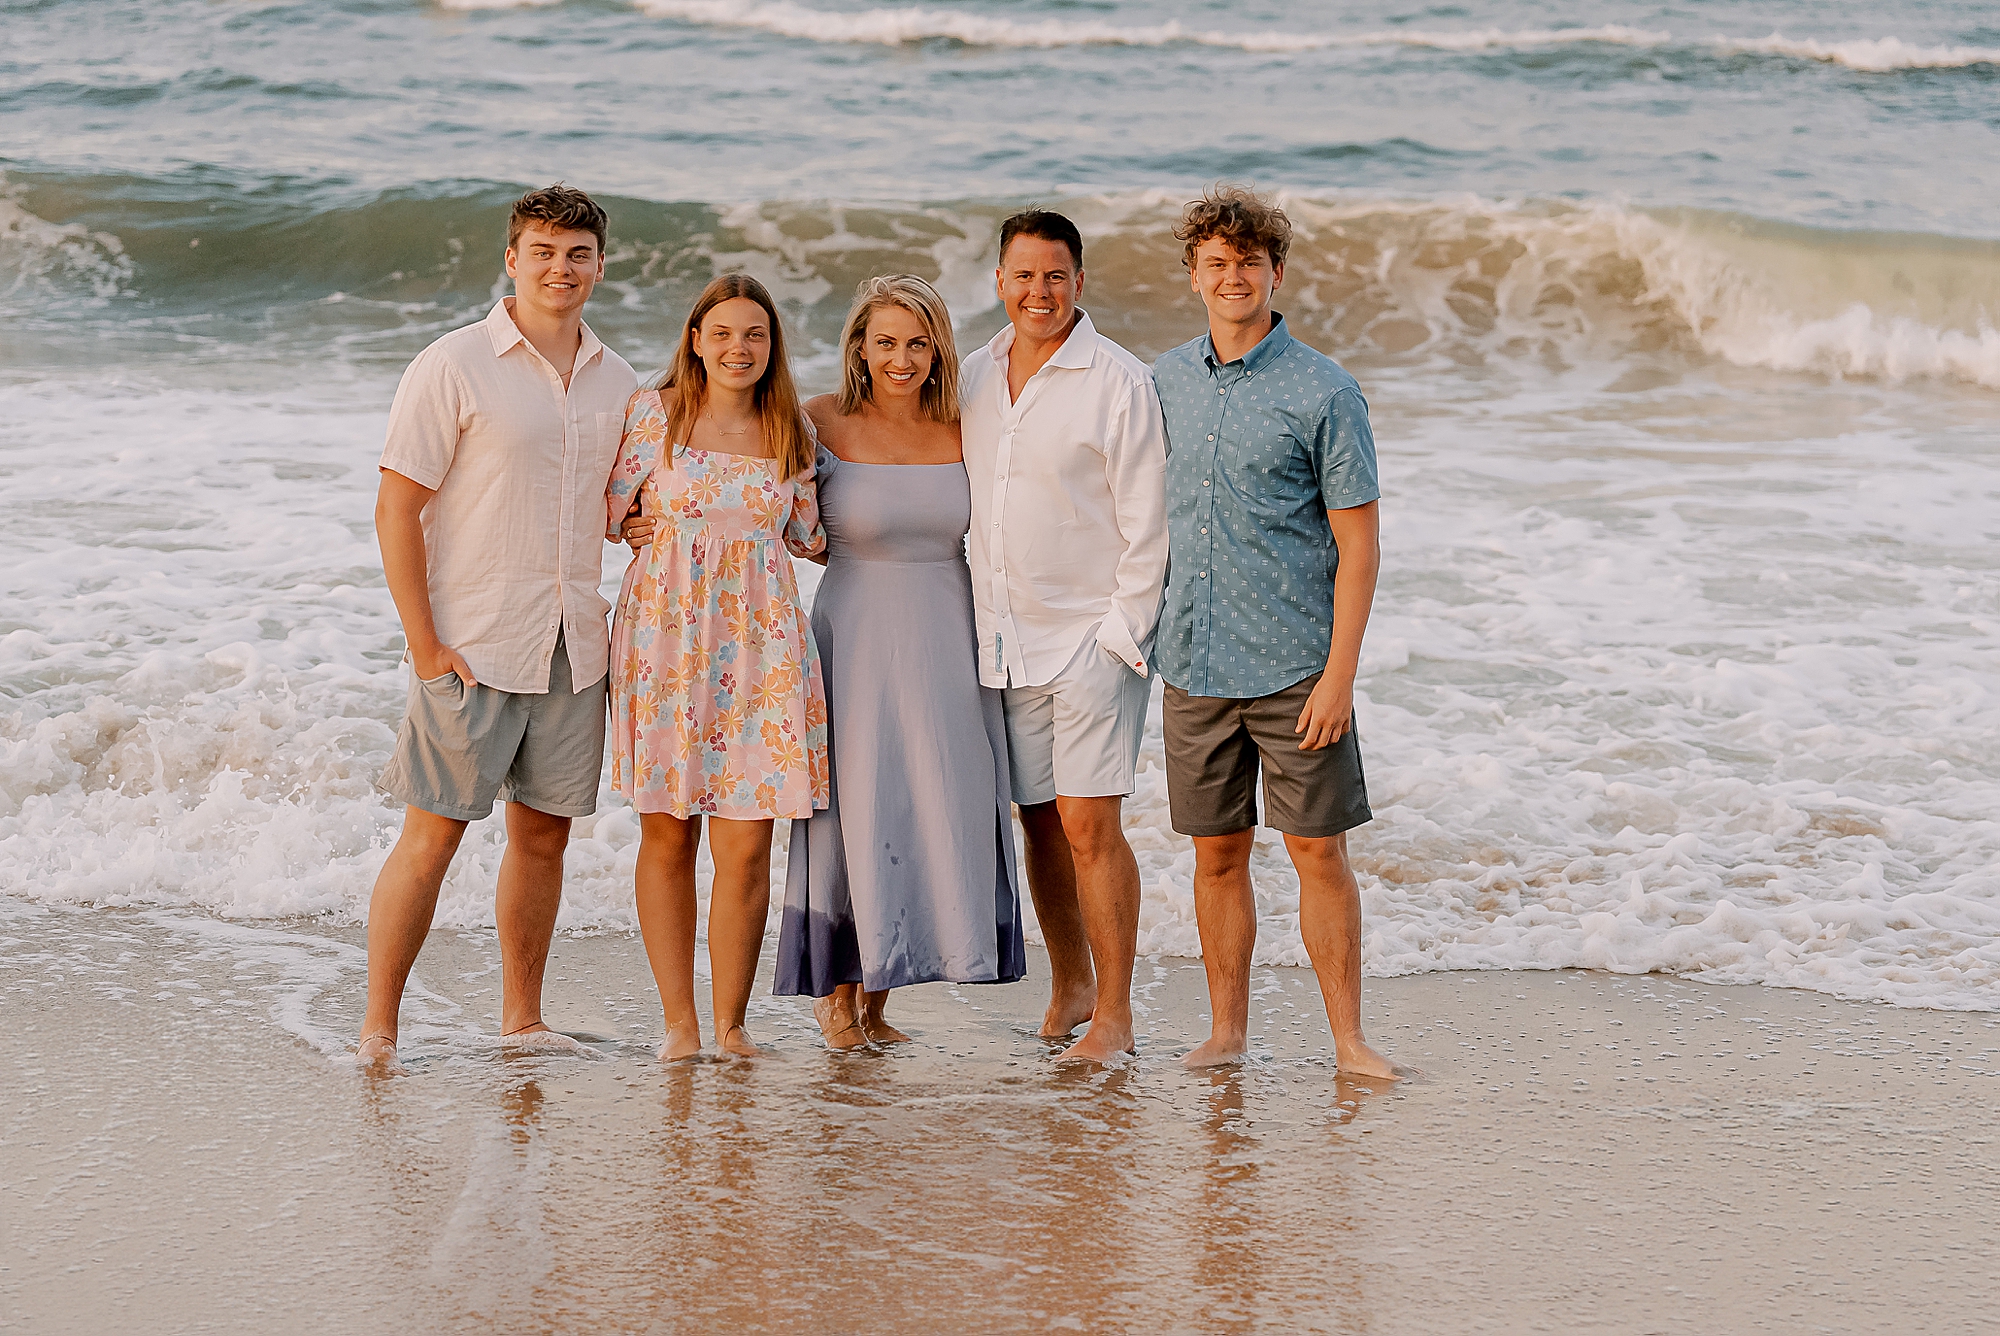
<point>1214,745</point>
<point>462,747</point>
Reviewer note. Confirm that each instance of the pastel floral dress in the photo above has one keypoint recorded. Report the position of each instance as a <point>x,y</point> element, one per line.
<point>717,706</point>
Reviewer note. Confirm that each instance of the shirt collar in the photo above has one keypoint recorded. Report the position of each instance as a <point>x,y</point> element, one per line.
<point>1077,351</point>
<point>504,334</point>
<point>1268,349</point>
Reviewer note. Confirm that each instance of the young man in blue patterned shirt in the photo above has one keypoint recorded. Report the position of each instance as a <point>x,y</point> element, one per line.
<point>1272,539</point>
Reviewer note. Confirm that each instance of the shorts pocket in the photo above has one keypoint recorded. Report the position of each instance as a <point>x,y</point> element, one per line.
<point>447,687</point>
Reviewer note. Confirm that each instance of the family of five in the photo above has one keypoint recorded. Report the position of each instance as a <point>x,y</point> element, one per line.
<point>1016,545</point>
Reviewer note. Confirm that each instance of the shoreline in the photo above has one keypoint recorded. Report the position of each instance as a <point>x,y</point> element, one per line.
<point>1582,1151</point>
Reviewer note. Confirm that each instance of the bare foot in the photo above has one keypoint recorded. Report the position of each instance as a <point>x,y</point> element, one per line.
<point>1099,1044</point>
<point>735,1041</point>
<point>542,1039</point>
<point>881,1032</point>
<point>1217,1052</point>
<point>1357,1059</point>
<point>838,1023</point>
<point>1067,1011</point>
<point>876,1023</point>
<point>683,1041</point>
<point>376,1054</point>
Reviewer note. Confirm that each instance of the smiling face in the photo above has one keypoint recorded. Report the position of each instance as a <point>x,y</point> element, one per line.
<point>898,351</point>
<point>553,272</point>
<point>734,344</point>
<point>1235,286</point>
<point>1039,285</point>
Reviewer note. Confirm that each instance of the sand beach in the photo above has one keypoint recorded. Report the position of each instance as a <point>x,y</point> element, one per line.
<point>1583,1152</point>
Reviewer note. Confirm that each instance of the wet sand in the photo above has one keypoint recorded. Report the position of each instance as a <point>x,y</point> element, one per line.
<point>1583,1152</point>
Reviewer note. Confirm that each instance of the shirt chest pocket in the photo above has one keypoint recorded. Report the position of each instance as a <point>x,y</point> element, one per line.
<point>1264,457</point>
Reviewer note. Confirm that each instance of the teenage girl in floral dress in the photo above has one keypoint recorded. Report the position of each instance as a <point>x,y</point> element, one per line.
<point>717,708</point>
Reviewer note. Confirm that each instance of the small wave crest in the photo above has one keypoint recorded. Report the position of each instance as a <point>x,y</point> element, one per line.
<point>1880,55</point>
<point>897,26</point>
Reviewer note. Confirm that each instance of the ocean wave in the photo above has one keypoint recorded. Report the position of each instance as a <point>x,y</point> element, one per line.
<point>1473,280</point>
<point>1880,55</point>
<point>896,26</point>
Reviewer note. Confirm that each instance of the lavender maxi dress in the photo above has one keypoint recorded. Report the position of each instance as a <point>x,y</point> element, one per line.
<point>908,876</point>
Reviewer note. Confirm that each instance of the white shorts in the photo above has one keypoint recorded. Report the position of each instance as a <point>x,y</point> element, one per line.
<point>1077,735</point>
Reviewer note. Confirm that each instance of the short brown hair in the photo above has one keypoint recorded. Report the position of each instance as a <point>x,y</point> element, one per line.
<point>1043,225</point>
<point>939,399</point>
<point>559,209</point>
<point>1241,217</point>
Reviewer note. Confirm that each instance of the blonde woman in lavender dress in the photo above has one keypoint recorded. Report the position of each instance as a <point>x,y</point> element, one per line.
<point>908,875</point>
<point>716,705</point>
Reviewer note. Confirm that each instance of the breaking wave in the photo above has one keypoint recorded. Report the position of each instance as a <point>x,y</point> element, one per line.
<point>899,25</point>
<point>1474,280</point>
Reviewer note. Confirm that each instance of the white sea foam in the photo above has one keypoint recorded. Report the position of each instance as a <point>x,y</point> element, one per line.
<point>1880,55</point>
<point>899,25</point>
<point>1645,690</point>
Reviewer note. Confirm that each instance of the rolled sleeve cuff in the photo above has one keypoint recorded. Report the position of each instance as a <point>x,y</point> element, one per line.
<point>1114,635</point>
<point>424,474</point>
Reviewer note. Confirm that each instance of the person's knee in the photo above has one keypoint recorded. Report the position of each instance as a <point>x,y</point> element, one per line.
<point>668,839</point>
<point>535,834</point>
<point>1325,856</point>
<point>1094,827</point>
<point>1221,855</point>
<point>428,839</point>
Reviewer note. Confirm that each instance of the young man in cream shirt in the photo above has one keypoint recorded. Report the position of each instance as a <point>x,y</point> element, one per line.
<point>1067,455</point>
<point>490,516</point>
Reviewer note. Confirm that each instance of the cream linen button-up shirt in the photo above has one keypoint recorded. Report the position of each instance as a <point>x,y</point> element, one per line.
<point>519,465</point>
<point>1069,501</point>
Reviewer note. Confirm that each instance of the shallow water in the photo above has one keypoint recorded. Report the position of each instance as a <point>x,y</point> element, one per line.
<point>1586,1152</point>
<point>1679,339</point>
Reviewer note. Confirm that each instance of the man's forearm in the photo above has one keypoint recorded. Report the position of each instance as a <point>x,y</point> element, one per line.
<point>1355,535</point>
<point>406,568</point>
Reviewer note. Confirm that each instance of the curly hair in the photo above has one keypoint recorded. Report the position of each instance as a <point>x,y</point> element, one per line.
<point>1241,217</point>
<point>559,208</point>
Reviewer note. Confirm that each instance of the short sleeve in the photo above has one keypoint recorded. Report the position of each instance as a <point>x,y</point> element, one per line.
<point>424,425</point>
<point>639,452</point>
<point>1344,450</point>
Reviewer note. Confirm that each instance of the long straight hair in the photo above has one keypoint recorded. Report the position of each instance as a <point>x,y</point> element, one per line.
<point>939,398</point>
<point>684,391</point>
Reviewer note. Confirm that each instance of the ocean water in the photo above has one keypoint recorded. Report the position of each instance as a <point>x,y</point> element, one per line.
<point>1680,324</point>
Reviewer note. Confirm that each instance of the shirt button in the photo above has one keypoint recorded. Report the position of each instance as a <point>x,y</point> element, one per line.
<point>1211,438</point>
<point>1204,482</point>
<point>1222,391</point>
<point>1204,528</point>
<point>1204,575</point>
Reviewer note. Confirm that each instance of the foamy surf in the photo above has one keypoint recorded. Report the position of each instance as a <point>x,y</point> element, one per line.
<point>898,25</point>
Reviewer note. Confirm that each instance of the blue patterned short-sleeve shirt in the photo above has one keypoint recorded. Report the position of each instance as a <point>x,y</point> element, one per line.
<point>1259,450</point>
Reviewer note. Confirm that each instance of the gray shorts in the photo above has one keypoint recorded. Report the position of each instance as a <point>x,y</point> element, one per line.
<point>1214,750</point>
<point>1078,735</point>
<point>461,747</point>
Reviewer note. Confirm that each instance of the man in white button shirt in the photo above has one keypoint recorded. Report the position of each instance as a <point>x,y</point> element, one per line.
<point>490,516</point>
<point>1067,455</point>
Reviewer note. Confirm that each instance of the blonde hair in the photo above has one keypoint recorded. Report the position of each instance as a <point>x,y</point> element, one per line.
<point>684,388</point>
<point>939,396</point>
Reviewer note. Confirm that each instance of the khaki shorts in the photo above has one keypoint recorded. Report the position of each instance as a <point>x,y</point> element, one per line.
<point>462,747</point>
<point>1077,736</point>
<point>1214,746</point>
